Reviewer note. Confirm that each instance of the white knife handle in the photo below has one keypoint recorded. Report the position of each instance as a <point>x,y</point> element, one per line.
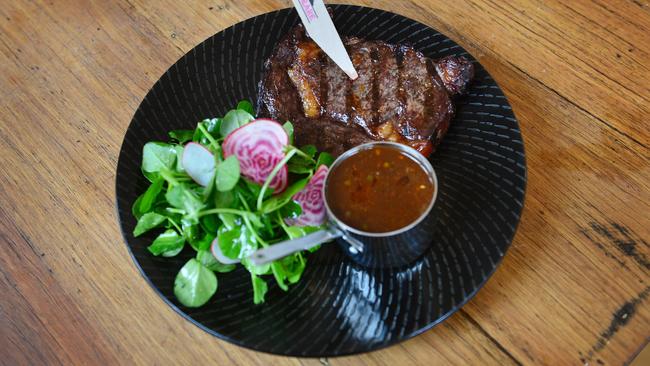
<point>321,29</point>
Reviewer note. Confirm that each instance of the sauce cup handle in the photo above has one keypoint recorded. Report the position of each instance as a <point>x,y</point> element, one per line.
<point>283,249</point>
<point>355,245</point>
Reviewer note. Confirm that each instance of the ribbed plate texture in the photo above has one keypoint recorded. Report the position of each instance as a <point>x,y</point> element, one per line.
<point>338,307</point>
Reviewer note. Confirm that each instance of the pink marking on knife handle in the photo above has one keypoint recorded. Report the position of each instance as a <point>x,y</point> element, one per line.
<point>308,9</point>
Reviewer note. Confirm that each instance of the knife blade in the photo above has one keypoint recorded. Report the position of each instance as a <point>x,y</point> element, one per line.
<point>321,29</point>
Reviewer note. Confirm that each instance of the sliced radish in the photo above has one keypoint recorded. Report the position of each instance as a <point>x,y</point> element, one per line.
<point>218,254</point>
<point>311,201</point>
<point>266,125</point>
<point>199,163</point>
<point>259,146</point>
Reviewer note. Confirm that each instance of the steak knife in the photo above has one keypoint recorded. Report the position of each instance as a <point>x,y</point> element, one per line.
<point>321,29</point>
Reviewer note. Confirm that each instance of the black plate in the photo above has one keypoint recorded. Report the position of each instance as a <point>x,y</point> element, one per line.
<point>339,308</point>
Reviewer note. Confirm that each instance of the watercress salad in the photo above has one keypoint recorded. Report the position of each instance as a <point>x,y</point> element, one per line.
<point>232,185</point>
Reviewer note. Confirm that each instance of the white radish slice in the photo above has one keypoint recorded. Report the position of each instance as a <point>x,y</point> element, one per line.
<point>311,201</point>
<point>218,254</point>
<point>199,163</point>
<point>259,147</point>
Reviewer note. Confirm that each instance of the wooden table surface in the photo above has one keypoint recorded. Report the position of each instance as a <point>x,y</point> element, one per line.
<point>573,289</point>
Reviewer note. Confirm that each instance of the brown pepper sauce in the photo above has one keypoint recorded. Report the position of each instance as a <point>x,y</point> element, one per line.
<point>379,190</point>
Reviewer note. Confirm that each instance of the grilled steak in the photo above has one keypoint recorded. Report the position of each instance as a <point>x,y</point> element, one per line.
<point>400,95</point>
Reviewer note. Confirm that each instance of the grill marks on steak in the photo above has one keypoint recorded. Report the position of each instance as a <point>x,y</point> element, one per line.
<point>400,95</point>
<point>440,107</point>
<point>387,83</point>
<point>338,90</point>
<point>415,85</point>
<point>305,73</point>
<point>361,93</point>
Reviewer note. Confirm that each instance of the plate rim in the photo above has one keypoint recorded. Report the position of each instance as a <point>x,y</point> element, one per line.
<point>374,346</point>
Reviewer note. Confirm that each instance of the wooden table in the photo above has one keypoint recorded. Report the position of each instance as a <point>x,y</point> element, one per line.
<point>572,290</point>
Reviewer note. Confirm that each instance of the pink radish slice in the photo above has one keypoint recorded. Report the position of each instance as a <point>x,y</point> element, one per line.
<point>218,254</point>
<point>266,125</point>
<point>199,163</point>
<point>311,201</point>
<point>259,147</point>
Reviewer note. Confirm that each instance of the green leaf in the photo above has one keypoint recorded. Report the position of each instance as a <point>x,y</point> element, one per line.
<point>291,210</point>
<point>203,243</point>
<point>150,195</point>
<point>255,220</point>
<point>278,273</point>
<point>172,253</point>
<point>182,136</point>
<point>135,209</point>
<point>173,219</point>
<point>194,284</point>
<point>310,150</point>
<point>249,191</point>
<point>289,268</point>
<point>288,127</point>
<point>230,221</point>
<point>256,270</point>
<point>254,189</point>
<point>243,193</point>
<point>259,289</point>
<point>212,125</point>
<point>268,226</point>
<point>283,198</point>
<point>180,196</point>
<point>157,156</point>
<point>294,188</point>
<point>147,222</point>
<point>300,164</point>
<point>303,162</point>
<point>236,241</point>
<point>301,167</point>
<point>210,262</point>
<point>294,266</point>
<point>224,199</point>
<point>295,232</point>
<point>314,248</point>
<point>228,241</point>
<point>170,240</point>
<point>227,174</point>
<point>190,230</point>
<point>210,223</point>
<point>151,176</point>
<point>207,190</point>
<point>174,196</point>
<point>179,158</point>
<point>192,208</point>
<point>233,120</point>
<point>324,158</point>
<point>198,134</point>
<point>246,106</point>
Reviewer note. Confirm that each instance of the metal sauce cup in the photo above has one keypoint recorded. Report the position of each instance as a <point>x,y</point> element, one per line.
<point>388,249</point>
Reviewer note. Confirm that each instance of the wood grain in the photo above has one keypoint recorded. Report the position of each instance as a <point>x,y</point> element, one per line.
<point>572,290</point>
